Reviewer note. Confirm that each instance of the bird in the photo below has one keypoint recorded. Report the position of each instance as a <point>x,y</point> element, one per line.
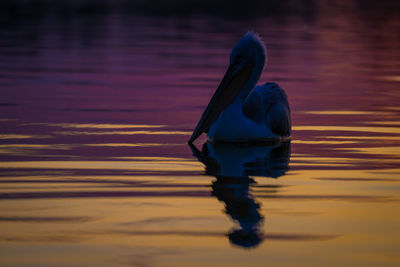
<point>241,111</point>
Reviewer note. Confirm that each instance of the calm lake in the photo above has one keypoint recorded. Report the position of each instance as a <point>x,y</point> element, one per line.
<point>96,111</point>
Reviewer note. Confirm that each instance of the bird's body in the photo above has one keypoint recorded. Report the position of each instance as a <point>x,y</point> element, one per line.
<point>233,126</point>
<point>240,111</point>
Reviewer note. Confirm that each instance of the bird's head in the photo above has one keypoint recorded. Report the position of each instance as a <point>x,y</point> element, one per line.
<point>250,50</point>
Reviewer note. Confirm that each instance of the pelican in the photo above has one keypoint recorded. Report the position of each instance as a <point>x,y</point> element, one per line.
<point>240,111</point>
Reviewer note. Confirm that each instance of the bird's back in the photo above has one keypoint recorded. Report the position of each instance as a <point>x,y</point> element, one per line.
<point>268,104</point>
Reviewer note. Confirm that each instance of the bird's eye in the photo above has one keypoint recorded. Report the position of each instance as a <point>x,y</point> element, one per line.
<point>238,57</point>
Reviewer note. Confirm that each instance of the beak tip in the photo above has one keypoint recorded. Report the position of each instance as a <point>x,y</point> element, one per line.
<point>194,136</point>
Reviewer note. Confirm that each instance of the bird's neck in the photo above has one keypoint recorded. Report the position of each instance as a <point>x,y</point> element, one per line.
<point>251,82</point>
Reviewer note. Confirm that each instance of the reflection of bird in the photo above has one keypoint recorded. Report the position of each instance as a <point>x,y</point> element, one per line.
<point>241,207</point>
<point>232,164</point>
<point>244,160</point>
<point>240,111</point>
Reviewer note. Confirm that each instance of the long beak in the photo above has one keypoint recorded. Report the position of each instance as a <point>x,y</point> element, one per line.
<point>235,78</point>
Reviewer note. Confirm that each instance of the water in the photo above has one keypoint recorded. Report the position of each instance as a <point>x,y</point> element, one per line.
<point>95,113</point>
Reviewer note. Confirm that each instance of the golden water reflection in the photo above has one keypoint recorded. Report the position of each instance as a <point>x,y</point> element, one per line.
<point>140,165</point>
<point>22,136</point>
<point>125,194</point>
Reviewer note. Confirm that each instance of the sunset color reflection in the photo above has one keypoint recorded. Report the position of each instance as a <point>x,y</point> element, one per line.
<point>99,99</point>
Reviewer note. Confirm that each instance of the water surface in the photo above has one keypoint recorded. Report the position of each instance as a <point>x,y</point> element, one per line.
<point>95,113</point>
